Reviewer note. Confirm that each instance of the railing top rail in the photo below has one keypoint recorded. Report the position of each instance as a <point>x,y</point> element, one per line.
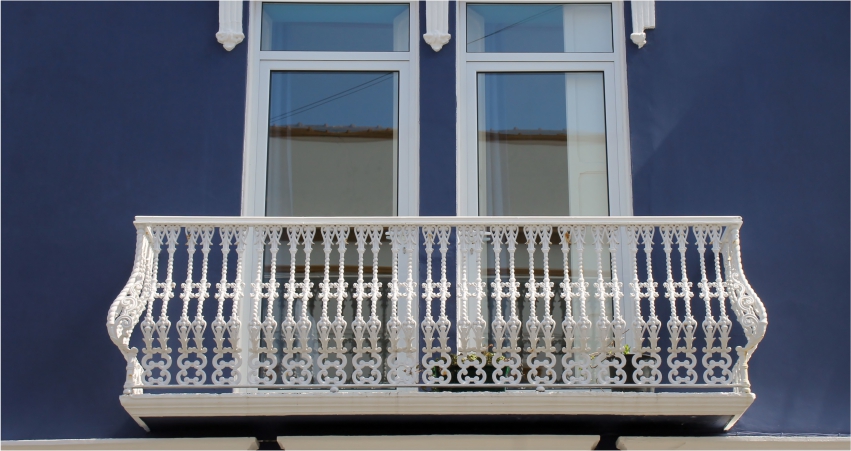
<point>142,221</point>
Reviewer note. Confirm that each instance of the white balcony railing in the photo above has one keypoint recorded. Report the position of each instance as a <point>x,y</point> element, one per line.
<point>442,303</point>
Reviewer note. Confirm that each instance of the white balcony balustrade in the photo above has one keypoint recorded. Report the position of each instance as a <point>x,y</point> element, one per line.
<point>443,314</point>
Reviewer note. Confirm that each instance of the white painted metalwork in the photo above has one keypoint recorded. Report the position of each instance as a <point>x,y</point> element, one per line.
<point>350,347</point>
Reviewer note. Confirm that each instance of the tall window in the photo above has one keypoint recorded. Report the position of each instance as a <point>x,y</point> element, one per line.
<point>330,131</point>
<point>543,115</point>
<point>542,123</point>
<point>331,110</point>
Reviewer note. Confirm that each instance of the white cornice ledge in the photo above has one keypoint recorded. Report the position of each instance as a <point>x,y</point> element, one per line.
<point>136,443</point>
<point>230,24</point>
<point>643,18</point>
<point>734,442</point>
<point>437,24</point>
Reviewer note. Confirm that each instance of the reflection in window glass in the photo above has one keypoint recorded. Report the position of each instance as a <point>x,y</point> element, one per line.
<point>335,27</point>
<point>542,144</point>
<point>543,28</point>
<point>333,140</point>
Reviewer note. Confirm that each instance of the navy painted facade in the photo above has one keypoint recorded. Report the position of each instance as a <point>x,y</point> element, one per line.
<point>728,118</point>
<point>112,110</point>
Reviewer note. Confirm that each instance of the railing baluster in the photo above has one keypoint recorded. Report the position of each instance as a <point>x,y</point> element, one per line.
<point>264,358</point>
<point>184,325</point>
<point>409,326</point>
<point>540,371</point>
<point>324,326</point>
<point>581,359</point>
<point>198,325</point>
<point>359,326</point>
<point>373,326</point>
<point>676,326</point>
<point>471,328</point>
<point>568,325</point>
<point>303,326</point>
<point>233,291</point>
<point>505,356</point>
<point>614,291</point>
<point>402,337</point>
<point>604,325</point>
<point>433,372</point>
<point>162,326</point>
<point>651,327</point>
<point>443,322</point>
<point>723,325</point>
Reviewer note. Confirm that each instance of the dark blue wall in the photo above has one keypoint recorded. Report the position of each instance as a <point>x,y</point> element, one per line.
<point>743,109</point>
<point>110,110</point>
<point>438,109</point>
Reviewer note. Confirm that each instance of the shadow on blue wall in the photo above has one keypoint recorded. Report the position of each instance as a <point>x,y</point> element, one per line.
<point>743,109</point>
<point>110,110</point>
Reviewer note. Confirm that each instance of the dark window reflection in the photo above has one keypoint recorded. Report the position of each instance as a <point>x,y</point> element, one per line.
<point>542,144</point>
<point>335,27</point>
<point>543,28</point>
<point>333,143</point>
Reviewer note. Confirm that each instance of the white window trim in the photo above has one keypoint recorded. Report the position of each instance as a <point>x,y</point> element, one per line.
<point>261,62</point>
<point>612,64</point>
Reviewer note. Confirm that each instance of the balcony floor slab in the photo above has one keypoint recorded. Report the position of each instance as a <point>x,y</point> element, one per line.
<point>707,412</point>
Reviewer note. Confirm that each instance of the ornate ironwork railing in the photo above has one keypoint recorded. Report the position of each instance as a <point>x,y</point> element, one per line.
<point>440,303</point>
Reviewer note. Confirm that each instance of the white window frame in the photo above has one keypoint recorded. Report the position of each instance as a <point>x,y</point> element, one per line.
<point>260,65</point>
<point>613,66</point>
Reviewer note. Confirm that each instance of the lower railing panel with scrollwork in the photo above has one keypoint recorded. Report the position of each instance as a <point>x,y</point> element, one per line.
<point>441,303</point>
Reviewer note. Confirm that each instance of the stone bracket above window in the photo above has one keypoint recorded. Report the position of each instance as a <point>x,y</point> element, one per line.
<point>643,18</point>
<point>437,24</point>
<point>230,24</point>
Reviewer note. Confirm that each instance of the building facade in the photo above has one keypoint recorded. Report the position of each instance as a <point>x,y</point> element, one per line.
<point>477,132</point>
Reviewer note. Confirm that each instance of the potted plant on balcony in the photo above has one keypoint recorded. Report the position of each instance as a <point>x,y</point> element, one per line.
<point>628,368</point>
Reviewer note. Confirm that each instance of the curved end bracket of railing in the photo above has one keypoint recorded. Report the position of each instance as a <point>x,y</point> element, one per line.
<point>749,309</point>
<point>125,311</point>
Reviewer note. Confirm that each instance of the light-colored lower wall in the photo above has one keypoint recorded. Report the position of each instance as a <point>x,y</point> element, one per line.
<point>442,442</point>
<point>136,443</point>
<point>734,442</point>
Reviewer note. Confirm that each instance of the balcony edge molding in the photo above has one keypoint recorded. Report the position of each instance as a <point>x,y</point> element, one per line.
<point>437,24</point>
<point>230,24</point>
<point>643,18</point>
<point>136,443</point>
<point>362,402</point>
<point>734,442</point>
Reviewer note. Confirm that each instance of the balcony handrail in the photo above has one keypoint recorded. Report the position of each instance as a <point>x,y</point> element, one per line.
<point>437,220</point>
<point>259,346</point>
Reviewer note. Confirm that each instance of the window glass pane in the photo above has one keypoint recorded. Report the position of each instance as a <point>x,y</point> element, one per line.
<point>547,28</point>
<point>542,144</point>
<point>335,27</point>
<point>333,143</point>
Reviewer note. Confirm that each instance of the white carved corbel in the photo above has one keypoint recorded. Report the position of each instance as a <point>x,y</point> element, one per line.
<point>230,24</point>
<point>437,24</point>
<point>643,18</point>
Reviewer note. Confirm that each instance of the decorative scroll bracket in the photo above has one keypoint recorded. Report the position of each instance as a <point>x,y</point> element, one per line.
<point>230,24</point>
<point>643,18</point>
<point>437,24</point>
